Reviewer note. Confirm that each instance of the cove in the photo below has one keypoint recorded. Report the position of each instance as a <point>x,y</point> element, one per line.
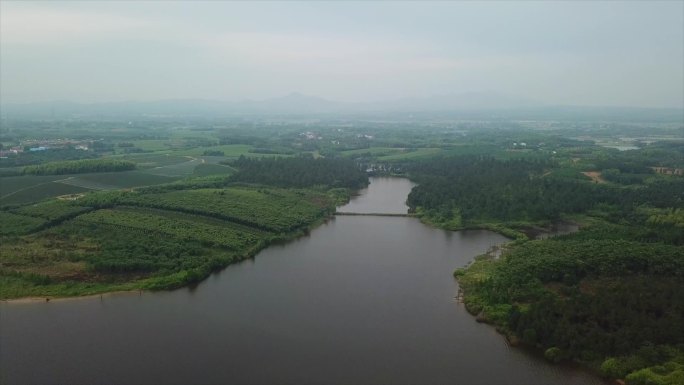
<point>360,300</point>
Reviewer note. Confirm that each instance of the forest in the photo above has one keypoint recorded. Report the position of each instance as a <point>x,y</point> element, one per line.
<point>462,191</point>
<point>300,171</point>
<point>608,296</point>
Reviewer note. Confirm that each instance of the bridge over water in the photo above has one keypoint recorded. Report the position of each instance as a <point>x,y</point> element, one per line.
<point>375,214</point>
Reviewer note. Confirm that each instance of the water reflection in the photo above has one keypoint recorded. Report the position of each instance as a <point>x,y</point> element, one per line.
<point>361,300</point>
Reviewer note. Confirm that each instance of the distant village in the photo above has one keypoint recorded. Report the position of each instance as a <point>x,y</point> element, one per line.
<point>43,145</point>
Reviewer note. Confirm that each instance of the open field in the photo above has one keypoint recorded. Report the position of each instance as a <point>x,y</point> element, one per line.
<point>205,169</point>
<point>31,188</point>
<point>229,150</point>
<point>374,151</point>
<point>144,161</point>
<point>14,184</point>
<point>155,144</point>
<point>411,154</point>
<point>176,170</point>
<point>126,179</point>
<point>38,190</point>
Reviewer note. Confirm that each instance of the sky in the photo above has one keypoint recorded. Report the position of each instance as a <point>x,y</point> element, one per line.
<point>587,53</point>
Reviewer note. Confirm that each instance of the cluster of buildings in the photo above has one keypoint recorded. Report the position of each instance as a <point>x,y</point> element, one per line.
<point>310,135</point>
<point>42,145</point>
<point>4,153</point>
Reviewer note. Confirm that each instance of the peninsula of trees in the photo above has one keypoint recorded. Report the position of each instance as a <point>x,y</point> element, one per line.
<point>609,295</point>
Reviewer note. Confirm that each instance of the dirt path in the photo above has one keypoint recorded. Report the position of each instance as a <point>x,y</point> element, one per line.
<point>595,176</point>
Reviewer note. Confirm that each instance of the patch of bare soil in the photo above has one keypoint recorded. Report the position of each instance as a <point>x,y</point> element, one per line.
<point>595,176</point>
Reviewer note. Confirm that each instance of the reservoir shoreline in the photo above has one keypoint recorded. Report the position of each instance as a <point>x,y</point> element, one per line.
<point>370,292</point>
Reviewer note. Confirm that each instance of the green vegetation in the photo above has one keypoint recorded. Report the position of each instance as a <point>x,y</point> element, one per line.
<point>15,224</point>
<point>205,169</point>
<point>409,154</point>
<point>18,184</point>
<point>609,296</point>
<point>79,166</point>
<point>50,155</point>
<point>157,237</point>
<point>300,171</point>
<point>476,188</point>
<point>38,190</point>
<point>229,150</point>
<point>458,192</point>
<point>181,227</point>
<point>279,210</point>
<point>142,247</point>
<point>585,299</point>
<point>32,188</point>
<point>145,161</point>
<point>117,180</point>
<point>51,210</point>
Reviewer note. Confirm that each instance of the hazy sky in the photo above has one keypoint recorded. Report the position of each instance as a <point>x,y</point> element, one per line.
<point>577,52</point>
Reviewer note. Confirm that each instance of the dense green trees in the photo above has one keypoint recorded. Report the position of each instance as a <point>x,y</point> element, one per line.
<point>279,210</point>
<point>480,189</point>
<point>586,298</point>
<point>300,171</point>
<point>614,289</point>
<point>50,155</point>
<point>79,166</point>
<point>485,189</point>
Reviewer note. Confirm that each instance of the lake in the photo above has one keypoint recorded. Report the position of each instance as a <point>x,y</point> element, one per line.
<point>360,300</point>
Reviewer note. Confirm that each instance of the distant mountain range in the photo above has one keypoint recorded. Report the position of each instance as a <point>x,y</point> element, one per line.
<point>299,104</point>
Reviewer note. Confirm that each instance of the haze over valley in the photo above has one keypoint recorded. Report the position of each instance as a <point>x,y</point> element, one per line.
<point>342,192</point>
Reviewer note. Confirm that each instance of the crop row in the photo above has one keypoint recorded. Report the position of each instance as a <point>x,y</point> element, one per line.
<point>270,210</point>
<point>51,210</point>
<point>15,224</point>
<point>227,237</point>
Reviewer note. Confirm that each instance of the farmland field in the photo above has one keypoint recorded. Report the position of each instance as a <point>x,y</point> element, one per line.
<point>213,159</point>
<point>154,144</point>
<point>183,229</point>
<point>110,240</point>
<point>82,182</point>
<point>280,210</point>
<point>229,150</point>
<point>390,154</point>
<point>31,188</point>
<point>411,154</point>
<point>51,210</point>
<point>126,179</point>
<point>205,169</point>
<point>15,224</point>
<point>39,191</point>
<point>176,170</point>
<point>155,160</point>
<point>374,151</point>
<point>13,184</point>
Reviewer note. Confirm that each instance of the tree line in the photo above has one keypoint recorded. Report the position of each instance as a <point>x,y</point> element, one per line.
<point>79,167</point>
<point>300,171</point>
